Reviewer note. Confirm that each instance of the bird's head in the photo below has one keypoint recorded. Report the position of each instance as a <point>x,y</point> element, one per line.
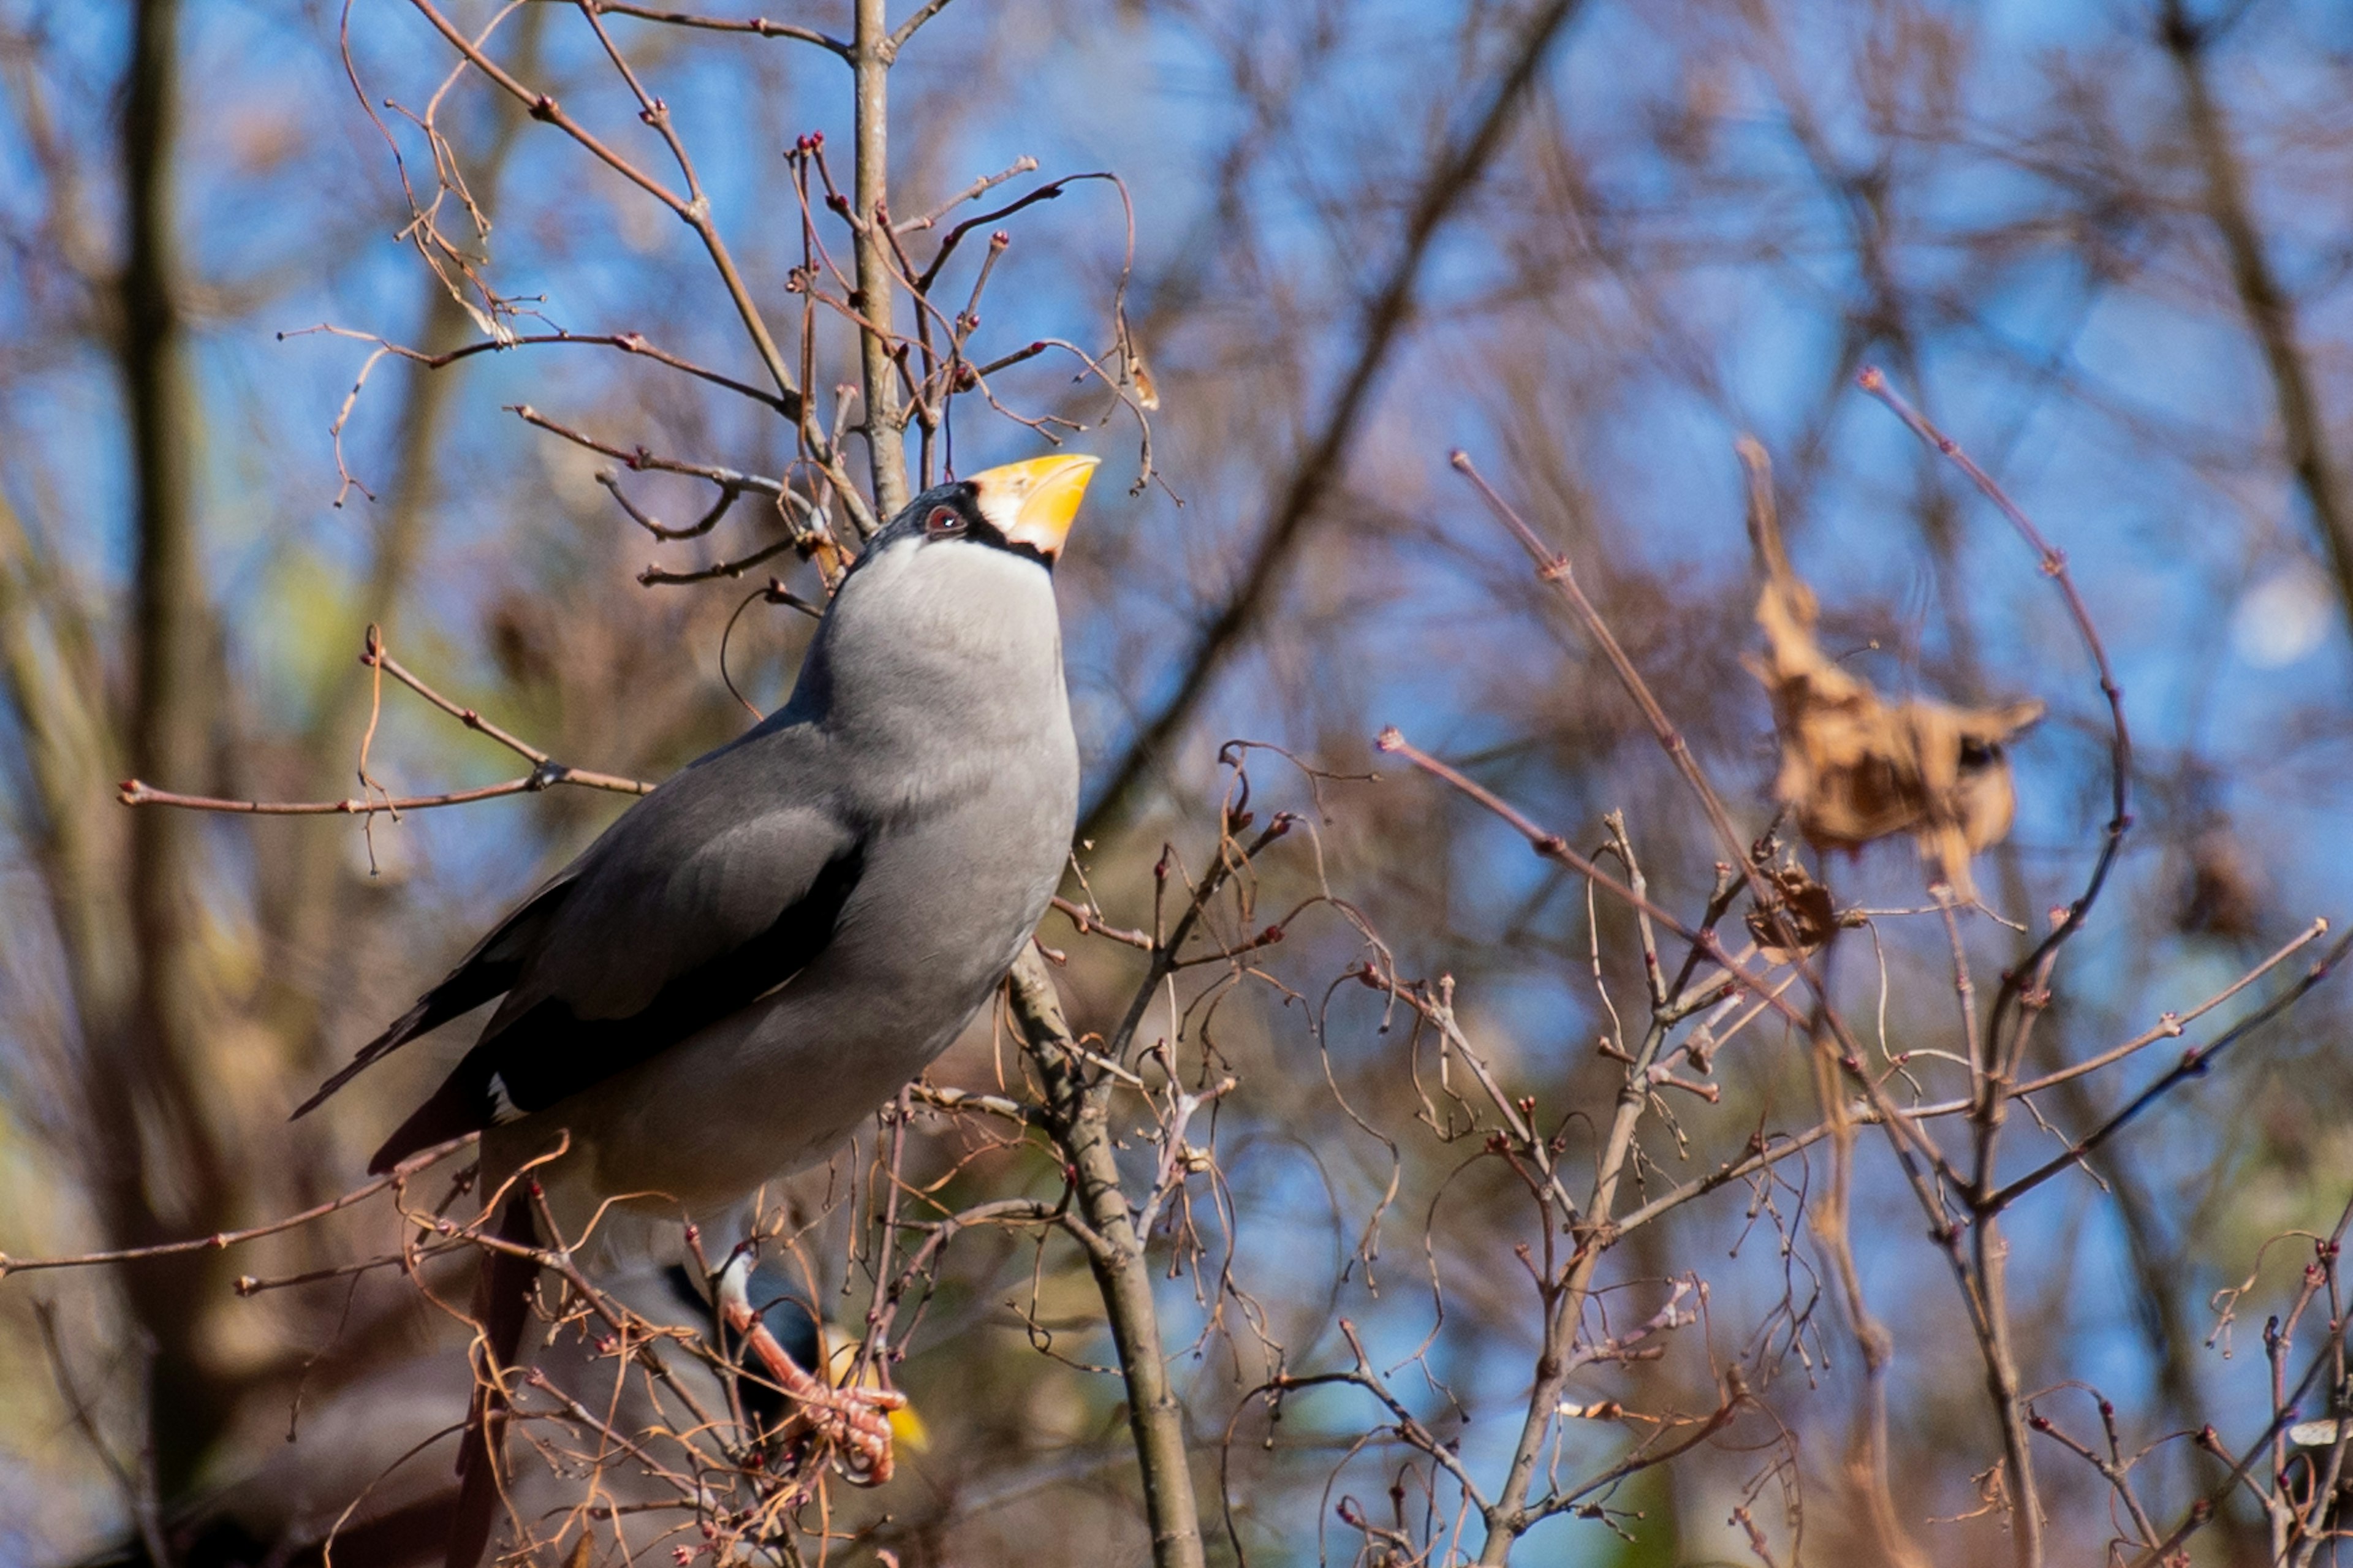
<point>1024,508</point>
<point>946,624</point>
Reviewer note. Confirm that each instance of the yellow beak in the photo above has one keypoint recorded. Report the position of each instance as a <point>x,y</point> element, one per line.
<point>1032,503</point>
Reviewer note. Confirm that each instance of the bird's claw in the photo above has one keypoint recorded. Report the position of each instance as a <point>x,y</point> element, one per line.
<point>856,1424</point>
<point>853,1422</point>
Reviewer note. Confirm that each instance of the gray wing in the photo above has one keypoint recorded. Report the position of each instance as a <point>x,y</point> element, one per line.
<point>713,891</point>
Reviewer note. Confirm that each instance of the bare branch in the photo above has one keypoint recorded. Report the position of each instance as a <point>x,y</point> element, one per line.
<point>1452,174</point>
<point>218,1240</point>
<point>759,26</point>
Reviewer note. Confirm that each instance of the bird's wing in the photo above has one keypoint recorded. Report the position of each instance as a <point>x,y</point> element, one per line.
<point>716,889</point>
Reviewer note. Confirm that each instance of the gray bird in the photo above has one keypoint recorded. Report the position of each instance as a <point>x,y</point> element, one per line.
<point>757,956</point>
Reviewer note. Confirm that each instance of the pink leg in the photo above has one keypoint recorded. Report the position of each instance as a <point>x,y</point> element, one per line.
<point>855,1421</point>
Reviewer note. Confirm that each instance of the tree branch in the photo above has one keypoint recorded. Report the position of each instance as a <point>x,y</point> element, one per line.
<point>1445,185</point>
<point>1079,1119</point>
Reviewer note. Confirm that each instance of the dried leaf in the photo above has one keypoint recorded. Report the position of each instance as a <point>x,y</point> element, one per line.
<point>1856,768</point>
<point>1805,911</point>
<point>1132,370</point>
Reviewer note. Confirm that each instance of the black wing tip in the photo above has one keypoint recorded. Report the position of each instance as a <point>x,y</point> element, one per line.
<point>406,1028</point>
<point>318,1098</point>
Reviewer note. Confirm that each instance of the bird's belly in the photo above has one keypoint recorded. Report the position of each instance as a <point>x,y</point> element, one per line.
<point>765,1092</point>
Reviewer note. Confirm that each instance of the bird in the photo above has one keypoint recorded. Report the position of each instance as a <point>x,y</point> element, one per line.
<point>760,953</point>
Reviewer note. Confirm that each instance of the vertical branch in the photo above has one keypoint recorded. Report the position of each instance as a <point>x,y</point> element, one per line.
<point>1080,1121</point>
<point>147,1077</point>
<point>870,54</point>
<point>1988,1251</point>
<point>1509,1517</point>
<point>1079,1110</point>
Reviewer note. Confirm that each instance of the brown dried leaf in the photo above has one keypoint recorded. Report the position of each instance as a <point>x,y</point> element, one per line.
<point>1856,768</point>
<point>1132,370</point>
<point>1806,912</point>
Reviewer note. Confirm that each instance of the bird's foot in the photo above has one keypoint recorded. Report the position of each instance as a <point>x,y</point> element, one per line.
<point>853,1422</point>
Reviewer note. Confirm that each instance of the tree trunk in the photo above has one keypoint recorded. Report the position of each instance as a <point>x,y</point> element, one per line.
<point>159,1173</point>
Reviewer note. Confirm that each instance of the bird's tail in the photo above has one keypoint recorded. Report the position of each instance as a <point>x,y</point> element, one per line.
<point>502,1305</point>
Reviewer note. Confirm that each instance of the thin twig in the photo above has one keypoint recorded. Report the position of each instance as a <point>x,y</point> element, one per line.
<point>2195,1062</point>
<point>693,209</point>
<point>627,342</point>
<point>1022,165</point>
<point>759,26</point>
<point>226,1239</point>
<point>2054,566</point>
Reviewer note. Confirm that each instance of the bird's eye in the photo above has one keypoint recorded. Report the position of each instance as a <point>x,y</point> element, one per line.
<point>1977,753</point>
<point>945,521</point>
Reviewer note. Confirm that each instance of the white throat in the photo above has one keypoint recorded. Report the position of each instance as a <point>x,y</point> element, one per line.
<point>933,629</point>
